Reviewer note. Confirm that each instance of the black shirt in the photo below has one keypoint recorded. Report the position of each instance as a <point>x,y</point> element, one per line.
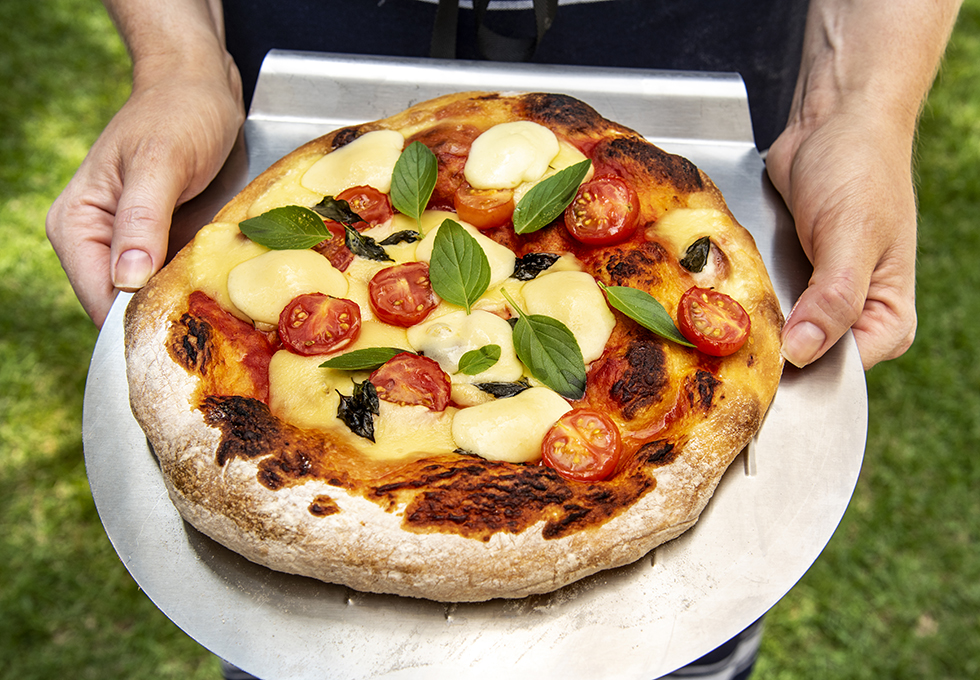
<point>759,39</point>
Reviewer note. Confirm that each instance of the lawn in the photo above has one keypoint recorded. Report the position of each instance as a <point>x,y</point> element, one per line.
<point>896,594</point>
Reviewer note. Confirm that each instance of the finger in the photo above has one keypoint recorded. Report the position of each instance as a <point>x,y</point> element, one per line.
<point>830,305</point>
<point>142,221</point>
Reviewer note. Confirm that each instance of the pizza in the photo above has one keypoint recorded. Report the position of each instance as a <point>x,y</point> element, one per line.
<point>479,349</point>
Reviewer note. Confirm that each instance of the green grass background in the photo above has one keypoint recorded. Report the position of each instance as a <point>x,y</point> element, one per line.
<point>896,594</point>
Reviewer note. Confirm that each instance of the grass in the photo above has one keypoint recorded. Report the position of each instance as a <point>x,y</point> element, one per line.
<point>896,594</point>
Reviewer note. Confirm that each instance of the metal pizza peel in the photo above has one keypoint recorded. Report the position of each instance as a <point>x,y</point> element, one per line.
<point>771,516</point>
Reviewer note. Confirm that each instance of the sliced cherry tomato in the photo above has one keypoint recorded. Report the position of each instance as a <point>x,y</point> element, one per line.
<point>314,323</point>
<point>604,211</point>
<point>371,205</point>
<point>484,208</point>
<point>583,446</point>
<point>334,247</point>
<point>413,380</point>
<point>713,321</point>
<point>402,295</point>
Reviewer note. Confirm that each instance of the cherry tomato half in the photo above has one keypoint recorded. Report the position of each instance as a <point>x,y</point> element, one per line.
<point>314,323</point>
<point>484,208</point>
<point>583,446</point>
<point>413,380</point>
<point>371,205</point>
<point>334,247</point>
<point>402,295</point>
<point>713,321</point>
<point>604,211</point>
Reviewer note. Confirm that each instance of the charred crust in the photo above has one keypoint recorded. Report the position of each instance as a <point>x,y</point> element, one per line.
<point>636,267</point>
<point>700,389</point>
<point>666,168</point>
<point>563,112</point>
<point>345,136</point>
<point>323,506</point>
<point>189,343</point>
<point>659,452</point>
<point>643,379</point>
<point>477,499</point>
<point>248,429</point>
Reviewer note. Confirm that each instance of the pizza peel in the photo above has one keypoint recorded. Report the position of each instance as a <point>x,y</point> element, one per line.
<point>771,516</point>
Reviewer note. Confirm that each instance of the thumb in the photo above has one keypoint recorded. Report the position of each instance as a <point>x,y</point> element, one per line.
<point>831,304</point>
<point>142,225</point>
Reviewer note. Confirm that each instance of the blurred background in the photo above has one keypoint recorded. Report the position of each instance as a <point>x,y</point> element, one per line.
<point>896,594</point>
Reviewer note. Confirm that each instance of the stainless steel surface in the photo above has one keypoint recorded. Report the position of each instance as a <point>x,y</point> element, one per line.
<point>771,516</point>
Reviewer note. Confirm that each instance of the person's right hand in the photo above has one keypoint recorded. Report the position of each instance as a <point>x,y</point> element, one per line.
<point>110,225</point>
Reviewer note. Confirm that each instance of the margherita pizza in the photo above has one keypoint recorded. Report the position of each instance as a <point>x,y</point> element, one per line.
<point>482,348</point>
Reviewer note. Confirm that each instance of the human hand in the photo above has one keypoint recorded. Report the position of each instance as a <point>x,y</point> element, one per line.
<point>847,180</point>
<point>110,225</point>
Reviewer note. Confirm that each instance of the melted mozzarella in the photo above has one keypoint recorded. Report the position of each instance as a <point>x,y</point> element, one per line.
<point>263,286</point>
<point>575,299</point>
<point>510,153</point>
<point>302,393</point>
<point>510,429</point>
<point>447,338</point>
<point>218,248</point>
<point>368,160</point>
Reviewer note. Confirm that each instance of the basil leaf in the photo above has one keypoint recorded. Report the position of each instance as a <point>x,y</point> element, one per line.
<point>358,410</point>
<point>365,246</point>
<point>478,360</point>
<point>697,255</point>
<point>337,210</point>
<point>366,359</point>
<point>502,390</point>
<point>550,352</point>
<point>290,227</point>
<point>532,264</point>
<point>548,198</point>
<point>644,309</point>
<point>413,179</point>
<point>404,236</point>
<point>458,268</point>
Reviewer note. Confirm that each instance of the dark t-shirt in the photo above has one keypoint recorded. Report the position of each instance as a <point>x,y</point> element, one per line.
<point>759,39</point>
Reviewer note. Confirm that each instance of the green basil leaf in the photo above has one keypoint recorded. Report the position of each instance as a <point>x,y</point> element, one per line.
<point>290,227</point>
<point>458,268</point>
<point>504,390</point>
<point>336,210</point>
<point>697,255</point>
<point>366,359</point>
<point>550,352</point>
<point>413,179</point>
<point>644,309</point>
<point>365,246</point>
<point>548,198</point>
<point>478,360</point>
<point>404,236</point>
<point>358,410</point>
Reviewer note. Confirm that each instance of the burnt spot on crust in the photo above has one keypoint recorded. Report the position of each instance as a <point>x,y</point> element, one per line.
<point>657,453</point>
<point>700,389</point>
<point>666,168</point>
<point>643,377</point>
<point>248,428</point>
<point>323,506</point>
<point>562,111</point>
<point>345,136</point>
<point>636,267</point>
<point>478,498</point>
<point>189,343</point>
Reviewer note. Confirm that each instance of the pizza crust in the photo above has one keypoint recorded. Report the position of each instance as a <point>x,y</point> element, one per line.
<point>369,545</point>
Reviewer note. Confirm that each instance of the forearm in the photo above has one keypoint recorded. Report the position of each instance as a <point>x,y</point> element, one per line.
<point>875,56</point>
<point>172,35</point>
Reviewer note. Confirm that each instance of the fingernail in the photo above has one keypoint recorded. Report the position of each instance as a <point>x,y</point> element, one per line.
<point>133,270</point>
<point>802,342</point>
